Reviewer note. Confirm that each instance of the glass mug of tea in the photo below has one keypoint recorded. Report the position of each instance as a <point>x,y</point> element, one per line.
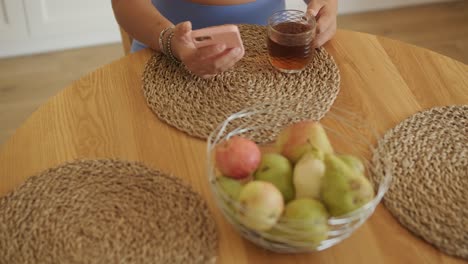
<point>290,35</point>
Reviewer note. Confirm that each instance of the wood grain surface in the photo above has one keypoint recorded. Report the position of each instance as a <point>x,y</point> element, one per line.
<point>104,115</point>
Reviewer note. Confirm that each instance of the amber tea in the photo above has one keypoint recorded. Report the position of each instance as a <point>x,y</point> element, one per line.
<point>289,42</point>
<point>289,55</point>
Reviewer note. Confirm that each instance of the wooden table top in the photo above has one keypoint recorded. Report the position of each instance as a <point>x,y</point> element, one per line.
<point>104,115</point>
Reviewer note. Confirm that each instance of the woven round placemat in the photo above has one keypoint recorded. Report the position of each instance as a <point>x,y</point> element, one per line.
<point>196,106</point>
<point>429,153</point>
<point>105,211</point>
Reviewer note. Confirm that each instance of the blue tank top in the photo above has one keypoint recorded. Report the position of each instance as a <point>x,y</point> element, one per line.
<point>201,16</point>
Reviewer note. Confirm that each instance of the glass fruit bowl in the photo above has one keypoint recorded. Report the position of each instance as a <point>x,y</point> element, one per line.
<point>347,133</point>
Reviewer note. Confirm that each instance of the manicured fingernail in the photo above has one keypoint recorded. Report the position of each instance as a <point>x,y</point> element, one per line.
<point>237,51</point>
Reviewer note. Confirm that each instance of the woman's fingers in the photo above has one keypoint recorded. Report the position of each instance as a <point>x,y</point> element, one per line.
<point>204,61</point>
<point>209,64</point>
<point>314,6</point>
<point>323,37</point>
<point>182,33</point>
<point>208,76</point>
<point>227,60</point>
<point>325,12</point>
<point>325,20</point>
<point>208,52</point>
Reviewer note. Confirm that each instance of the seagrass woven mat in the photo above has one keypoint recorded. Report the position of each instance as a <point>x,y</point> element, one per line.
<point>429,153</point>
<point>196,106</point>
<point>105,211</point>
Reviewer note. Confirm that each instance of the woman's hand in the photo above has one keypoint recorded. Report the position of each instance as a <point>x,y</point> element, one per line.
<point>206,61</point>
<point>325,12</point>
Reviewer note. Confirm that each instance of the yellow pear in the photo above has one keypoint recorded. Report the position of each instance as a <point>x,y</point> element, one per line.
<point>308,174</point>
<point>302,137</point>
<point>261,205</point>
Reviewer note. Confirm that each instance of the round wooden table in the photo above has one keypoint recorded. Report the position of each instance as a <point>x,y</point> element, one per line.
<point>104,115</point>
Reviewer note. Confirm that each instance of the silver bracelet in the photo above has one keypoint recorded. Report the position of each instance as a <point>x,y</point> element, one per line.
<point>162,48</point>
<point>169,47</point>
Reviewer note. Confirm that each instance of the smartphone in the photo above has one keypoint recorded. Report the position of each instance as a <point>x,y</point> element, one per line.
<point>225,34</point>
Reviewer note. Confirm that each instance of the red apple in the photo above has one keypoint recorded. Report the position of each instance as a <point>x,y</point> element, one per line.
<point>237,157</point>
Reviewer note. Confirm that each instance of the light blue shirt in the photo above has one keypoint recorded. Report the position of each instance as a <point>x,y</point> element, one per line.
<point>211,15</point>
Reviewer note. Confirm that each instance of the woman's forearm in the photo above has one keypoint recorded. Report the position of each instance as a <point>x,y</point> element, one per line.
<point>141,20</point>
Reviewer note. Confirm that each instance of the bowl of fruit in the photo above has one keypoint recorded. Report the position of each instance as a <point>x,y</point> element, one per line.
<point>306,188</point>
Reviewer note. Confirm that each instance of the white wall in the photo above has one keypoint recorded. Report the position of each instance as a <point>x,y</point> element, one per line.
<point>36,26</point>
<point>353,6</point>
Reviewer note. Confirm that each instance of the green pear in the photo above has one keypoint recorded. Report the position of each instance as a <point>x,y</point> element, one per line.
<point>276,169</point>
<point>306,220</point>
<point>261,205</point>
<point>354,162</point>
<point>308,174</point>
<point>230,187</point>
<point>343,190</point>
<point>302,137</point>
<point>363,194</point>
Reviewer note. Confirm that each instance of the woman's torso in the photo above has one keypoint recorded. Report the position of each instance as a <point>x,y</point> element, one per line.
<point>205,15</point>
